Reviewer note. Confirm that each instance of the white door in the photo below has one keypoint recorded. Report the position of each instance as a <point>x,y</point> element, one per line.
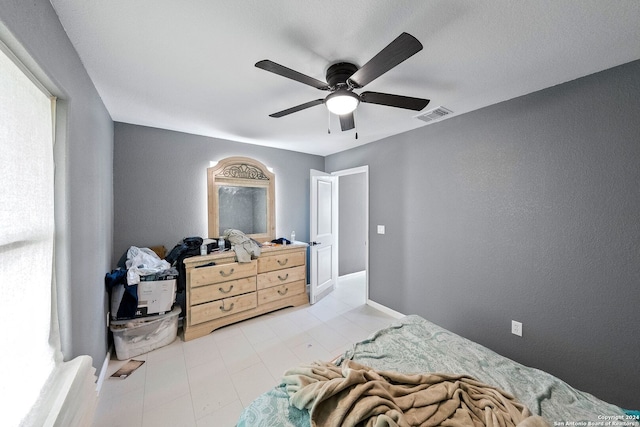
<point>323,233</point>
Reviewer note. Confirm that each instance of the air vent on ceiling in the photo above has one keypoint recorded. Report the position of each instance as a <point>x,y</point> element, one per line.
<point>434,114</point>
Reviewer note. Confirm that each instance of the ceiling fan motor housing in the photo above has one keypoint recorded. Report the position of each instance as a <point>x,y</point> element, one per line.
<point>338,73</point>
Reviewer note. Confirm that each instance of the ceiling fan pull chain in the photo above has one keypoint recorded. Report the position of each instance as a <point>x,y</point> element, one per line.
<point>355,123</point>
<point>328,122</point>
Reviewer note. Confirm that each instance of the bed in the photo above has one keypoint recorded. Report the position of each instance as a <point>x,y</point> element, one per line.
<point>415,345</point>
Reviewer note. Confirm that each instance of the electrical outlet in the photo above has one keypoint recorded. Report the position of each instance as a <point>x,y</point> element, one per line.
<point>516,328</point>
<point>381,229</point>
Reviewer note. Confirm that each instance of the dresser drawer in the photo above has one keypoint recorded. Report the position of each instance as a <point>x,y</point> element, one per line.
<point>221,273</point>
<point>275,293</point>
<point>222,290</point>
<point>280,261</point>
<point>280,277</point>
<point>221,308</point>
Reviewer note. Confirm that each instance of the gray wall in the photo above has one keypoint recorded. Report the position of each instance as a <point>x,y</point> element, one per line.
<point>160,190</point>
<point>352,227</point>
<point>525,210</point>
<point>84,174</point>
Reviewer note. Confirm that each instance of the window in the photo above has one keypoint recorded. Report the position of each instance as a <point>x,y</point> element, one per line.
<point>29,354</point>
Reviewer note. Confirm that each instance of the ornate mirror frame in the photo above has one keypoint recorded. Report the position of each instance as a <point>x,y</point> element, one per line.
<point>241,172</point>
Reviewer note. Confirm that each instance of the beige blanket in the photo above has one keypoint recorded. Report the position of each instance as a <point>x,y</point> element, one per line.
<point>356,395</point>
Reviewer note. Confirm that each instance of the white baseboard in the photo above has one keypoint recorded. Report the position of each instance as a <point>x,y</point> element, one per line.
<point>352,275</point>
<point>103,370</point>
<point>385,309</point>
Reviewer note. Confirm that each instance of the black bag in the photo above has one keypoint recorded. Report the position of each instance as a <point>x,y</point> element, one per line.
<point>190,246</point>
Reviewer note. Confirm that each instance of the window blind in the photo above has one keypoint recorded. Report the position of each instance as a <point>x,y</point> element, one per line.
<point>28,355</point>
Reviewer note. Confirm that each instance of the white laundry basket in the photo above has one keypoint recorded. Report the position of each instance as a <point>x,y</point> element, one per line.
<point>138,336</point>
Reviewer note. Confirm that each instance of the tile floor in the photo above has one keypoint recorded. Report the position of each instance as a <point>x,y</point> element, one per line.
<point>209,380</point>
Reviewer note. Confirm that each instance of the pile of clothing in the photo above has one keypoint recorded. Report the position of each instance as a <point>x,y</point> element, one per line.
<point>135,266</point>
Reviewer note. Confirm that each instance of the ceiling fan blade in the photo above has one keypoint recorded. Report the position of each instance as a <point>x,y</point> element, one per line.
<point>403,47</point>
<point>390,100</point>
<point>297,108</point>
<point>347,122</point>
<point>283,71</point>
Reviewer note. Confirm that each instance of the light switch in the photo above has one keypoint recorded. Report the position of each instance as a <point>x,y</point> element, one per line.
<point>381,229</point>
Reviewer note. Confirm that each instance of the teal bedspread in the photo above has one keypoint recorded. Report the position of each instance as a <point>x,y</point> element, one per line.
<point>413,344</point>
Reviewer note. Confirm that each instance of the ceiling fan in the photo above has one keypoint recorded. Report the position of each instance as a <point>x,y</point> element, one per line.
<point>344,77</point>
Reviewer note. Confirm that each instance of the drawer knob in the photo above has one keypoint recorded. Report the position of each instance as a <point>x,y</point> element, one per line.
<point>223,274</point>
<point>286,260</point>
<point>284,278</point>
<point>285,291</point>
<point>225,292</point>
<point>228,309</point>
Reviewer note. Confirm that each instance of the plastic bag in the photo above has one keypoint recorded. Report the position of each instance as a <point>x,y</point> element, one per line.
<point>141,262</point>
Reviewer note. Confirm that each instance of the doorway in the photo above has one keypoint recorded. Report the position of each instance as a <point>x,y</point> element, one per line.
<point>353,233</point>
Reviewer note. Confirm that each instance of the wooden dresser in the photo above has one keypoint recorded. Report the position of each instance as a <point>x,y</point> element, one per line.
<point>228,292</point>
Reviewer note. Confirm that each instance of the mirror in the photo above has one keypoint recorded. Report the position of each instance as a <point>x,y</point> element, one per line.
<point>242,208</point>
<point>241,195</point>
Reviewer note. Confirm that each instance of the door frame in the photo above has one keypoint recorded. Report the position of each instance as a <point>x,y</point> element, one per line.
<point>353,171</point>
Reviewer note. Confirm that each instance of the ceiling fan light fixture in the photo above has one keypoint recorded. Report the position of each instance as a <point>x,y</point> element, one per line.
<point>342,102</point>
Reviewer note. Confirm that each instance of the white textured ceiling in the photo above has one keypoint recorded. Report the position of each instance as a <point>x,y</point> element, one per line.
<point>188,65</point>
